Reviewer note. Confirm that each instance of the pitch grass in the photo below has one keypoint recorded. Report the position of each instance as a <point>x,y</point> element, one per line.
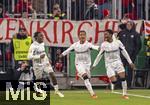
<point>104,98</point>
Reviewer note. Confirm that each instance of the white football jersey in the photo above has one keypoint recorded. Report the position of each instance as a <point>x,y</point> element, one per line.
<point>35,51</point>
<point>82,52</point>
<point>111,52</point>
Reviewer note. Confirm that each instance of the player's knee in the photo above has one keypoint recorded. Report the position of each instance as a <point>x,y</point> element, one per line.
<point>52,75</point>
<point>85,77</point>
<point>53,78</point>
<point>114,82</point>
<point>123,79</point>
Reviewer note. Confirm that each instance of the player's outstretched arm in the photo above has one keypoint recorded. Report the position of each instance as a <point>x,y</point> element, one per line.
<point>98,58</point>
<point>67,51</point>
<point>94,47</point>
<point>126,55</point>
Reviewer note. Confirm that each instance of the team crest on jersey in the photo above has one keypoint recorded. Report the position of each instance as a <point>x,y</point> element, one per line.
<point>132,36</point>
<point>124,35</point>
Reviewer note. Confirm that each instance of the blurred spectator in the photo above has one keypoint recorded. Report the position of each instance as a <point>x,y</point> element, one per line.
<point>126,18</point>
<point>23,5</point>
<point>2,12</point>
<point>147,43</point>
<point>0,55</point>
<point>58,61</point>
<point>131,16</point>
<point>104,6</point>
<point>106,14</point>
<point>91,11</point>
<point>121,27</point>
<point>129,9</point>
<point>40,16</point>
<point>132,42</point>
<point>26,15</point>
<point>141,9</point>
<point>147,10</point>
<point>57,13</point>
<point>77,9</point>
<point>34,15</point>
<point>19,46</point>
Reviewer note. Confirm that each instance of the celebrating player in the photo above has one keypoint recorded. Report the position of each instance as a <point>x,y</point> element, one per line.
<point>111,50</point>
<point>41,62</point>
<point>83,59</point>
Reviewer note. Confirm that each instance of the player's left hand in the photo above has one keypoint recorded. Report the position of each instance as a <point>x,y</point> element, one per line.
<point>132,66</point>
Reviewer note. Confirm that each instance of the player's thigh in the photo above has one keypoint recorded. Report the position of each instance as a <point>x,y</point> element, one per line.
<point>87,69</point>
<point>113,78</point>
<point>48,69</point>
<point>120,70</point>
<point>81,70</point>
<point>110,71</point>
<point>121,74</point>
<point>38,71</point>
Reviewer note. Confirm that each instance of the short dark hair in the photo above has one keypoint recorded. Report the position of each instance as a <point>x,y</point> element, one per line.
<point>82,31</point>
<point>36,34</point>
<point>122,26</point>
<point>109,31</point>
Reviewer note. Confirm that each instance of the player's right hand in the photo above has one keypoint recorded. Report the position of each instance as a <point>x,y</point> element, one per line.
<point>42,56</point>
<point>132,66</point>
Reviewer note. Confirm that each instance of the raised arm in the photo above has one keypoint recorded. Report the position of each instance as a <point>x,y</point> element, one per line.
<point>98,58</point>
<point>68,50</point>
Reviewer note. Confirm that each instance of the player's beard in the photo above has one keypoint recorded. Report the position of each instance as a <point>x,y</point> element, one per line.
<point>106,38</point>
<point>82,40</point>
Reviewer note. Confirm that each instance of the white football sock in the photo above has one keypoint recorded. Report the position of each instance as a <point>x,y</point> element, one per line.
<point>56,87</point>
<point>112,87</point>
<point>124,87</point>
<point>89,87</point>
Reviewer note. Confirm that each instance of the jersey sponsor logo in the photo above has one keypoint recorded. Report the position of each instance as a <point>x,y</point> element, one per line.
<point>112,51</point>
<point>81,51</point>
<point>36,52</point>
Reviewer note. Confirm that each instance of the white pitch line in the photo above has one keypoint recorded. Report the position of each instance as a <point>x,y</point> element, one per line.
<point>133,95</point>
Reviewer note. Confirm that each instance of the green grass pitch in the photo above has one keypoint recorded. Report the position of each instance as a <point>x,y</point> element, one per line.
<point>104,98</point>
<point>82,97</point>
